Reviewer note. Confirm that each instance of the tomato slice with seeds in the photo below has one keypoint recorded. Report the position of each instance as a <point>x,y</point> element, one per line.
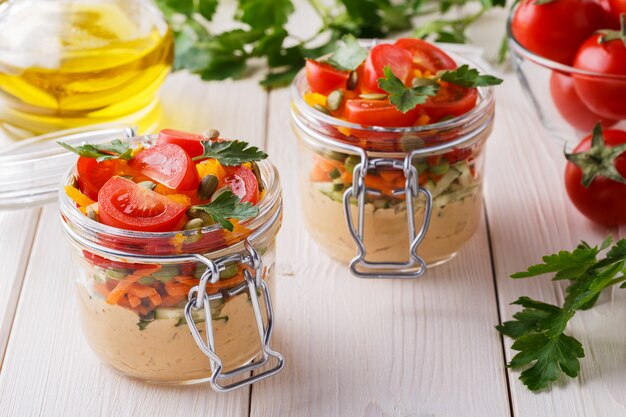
<point>379,113</point>
<point>398,59</point>
<point>168,164</point>
<point>244,183</point>
<point>323,78</point>
<point>126,205</point>
<point>426,56</point>
<point>450,101</point>
<point>92,175</point>
<point>190,142</point>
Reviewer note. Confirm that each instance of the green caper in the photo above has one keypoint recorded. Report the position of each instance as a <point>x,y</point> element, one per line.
<point>147,184</point>
<point>350,162</point>
<point>211,133</point>
<point>352,80</point>
<point>207,187</point>
<point>334,100</point>
<point>196,213</point>
<point>373,96</point>
<point>193,224</point>
<point>321,109</point>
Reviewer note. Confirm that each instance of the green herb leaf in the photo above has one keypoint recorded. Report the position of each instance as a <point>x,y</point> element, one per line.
<point>349,55</point>
<point>403,97</point>
<point>262,14</point>
<point>228,206</point>
<point>113,150</point>
<point>538,330</point>
<point>231,153</point>
<point>465,76</point>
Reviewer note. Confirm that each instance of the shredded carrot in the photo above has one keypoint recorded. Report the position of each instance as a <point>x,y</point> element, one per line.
<point>187,280</point>
<point>79,198</point>
<point>155,300</point>
<point>346,177</point>
<point>172,300</point>
<point>176,288</point>
<point>101,289</point>
<point>390,176</point>
<point>318,174</point>
<point>122,287</point>
<point>133,300</point>
<point>141,291</point>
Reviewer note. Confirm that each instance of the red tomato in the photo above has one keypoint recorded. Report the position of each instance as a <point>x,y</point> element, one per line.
<point>379,113</point>
<point>617,7</point>
<point>398,59</point>
<point>604,201</point>
<point>450,101</point>
<point>168,164</point>
<point>554,30</point>
<point>244,183</point>
<point>570,106</point>
<point>190,142</point>
<point>605,97</point>
<point>426,56</point>
<point>126,205</point>
<point>323,78</point>
<point>92,174</point>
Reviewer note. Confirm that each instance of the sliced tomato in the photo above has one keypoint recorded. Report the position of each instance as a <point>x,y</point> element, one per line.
<point>126,205</point>
<point>379,113</point>
<point>450,101</point>
<point>190,142</point>
<point>168,164</point>
<point>426,56</point>
<point>93,174</point>
<point>323,78</point>
<point>243,182</point>
<point>398,59</point>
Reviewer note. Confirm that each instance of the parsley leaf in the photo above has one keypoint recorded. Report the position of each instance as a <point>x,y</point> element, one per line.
<point>113,150</point>
<point>538,330</point>
<point>465,76</point>
<point>228,206</point>
<point>349,55</point>
<point>230,153</point>
<point>405,98</point>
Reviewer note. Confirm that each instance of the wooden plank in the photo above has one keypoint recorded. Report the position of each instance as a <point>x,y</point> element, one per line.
<point>18,230</point>
<point>49,370</point>
<point>530,216</point>
<point>374,347</point>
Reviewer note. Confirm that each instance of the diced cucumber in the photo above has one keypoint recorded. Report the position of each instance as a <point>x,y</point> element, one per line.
<point>147,281</point>
<point>334,174</point>
<point>380,203</point>
<point>338,187</point>
<point>116,273</point>
<point>230,271</point>
<point>421,166</point>
<point>334,195</point>
<point>351,162</point>
<point>441,168</point>
<point>445,182</point>
<point>167,273</point>
<point>465,179</point>
<point>173,313</point>
<point>99,275</point>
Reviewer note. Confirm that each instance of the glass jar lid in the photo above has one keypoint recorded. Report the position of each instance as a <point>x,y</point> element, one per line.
<point>31,169</point>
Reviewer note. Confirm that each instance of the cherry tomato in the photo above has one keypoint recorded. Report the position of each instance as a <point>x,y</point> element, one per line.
<point>126,205</point>
<point>554,30</point>
<point>450,101</point>
<point>243,182</point>
<point>398,59</point>
<point>569,105</point>
<point>93,174</point>
<point>604,201</point>
<point>168,164</point>
<point>323,78</point>
<point>603,96</point>
<point>426,56</point>
<point>379,113</point>
<point>190,142</point>
<point>617,7</point>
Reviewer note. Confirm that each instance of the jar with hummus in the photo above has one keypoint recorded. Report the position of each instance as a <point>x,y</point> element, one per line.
<point>391,153</point>
<point>174,241</point>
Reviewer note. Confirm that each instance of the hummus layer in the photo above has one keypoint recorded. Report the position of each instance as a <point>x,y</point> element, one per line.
<point>163,352</point>
<point>386,230</point>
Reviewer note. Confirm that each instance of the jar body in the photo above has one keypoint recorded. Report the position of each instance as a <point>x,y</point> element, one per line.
<point>153,343</point>
<point>100,61</point>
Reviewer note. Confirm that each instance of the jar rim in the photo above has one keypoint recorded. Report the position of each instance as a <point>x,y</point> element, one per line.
<point>270,202</point>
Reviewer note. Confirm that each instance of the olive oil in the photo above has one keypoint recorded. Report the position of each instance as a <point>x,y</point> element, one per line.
<point>70,63</point>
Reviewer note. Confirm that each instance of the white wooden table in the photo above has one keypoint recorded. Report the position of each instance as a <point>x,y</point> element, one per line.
<point>419,348</point>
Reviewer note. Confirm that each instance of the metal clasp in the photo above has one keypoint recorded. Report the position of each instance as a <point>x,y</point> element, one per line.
<point>199,299</point>
<point>359,266</point>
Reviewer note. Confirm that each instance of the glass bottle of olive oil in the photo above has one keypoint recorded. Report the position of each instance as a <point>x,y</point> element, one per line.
<point>70,63</point>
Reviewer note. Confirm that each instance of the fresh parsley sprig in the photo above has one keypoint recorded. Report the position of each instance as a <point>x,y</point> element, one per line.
<point>263,34</point>
<point>407,98</point>
<point>228,206</point>
<point>116,149</point>
<point>539,328</point>
<point>349,55</point>
<point>231,153</point>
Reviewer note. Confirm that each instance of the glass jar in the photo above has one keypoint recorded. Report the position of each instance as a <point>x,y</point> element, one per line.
<point>179,307</point>
<point>354,181</point>
<point>69,63</point>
